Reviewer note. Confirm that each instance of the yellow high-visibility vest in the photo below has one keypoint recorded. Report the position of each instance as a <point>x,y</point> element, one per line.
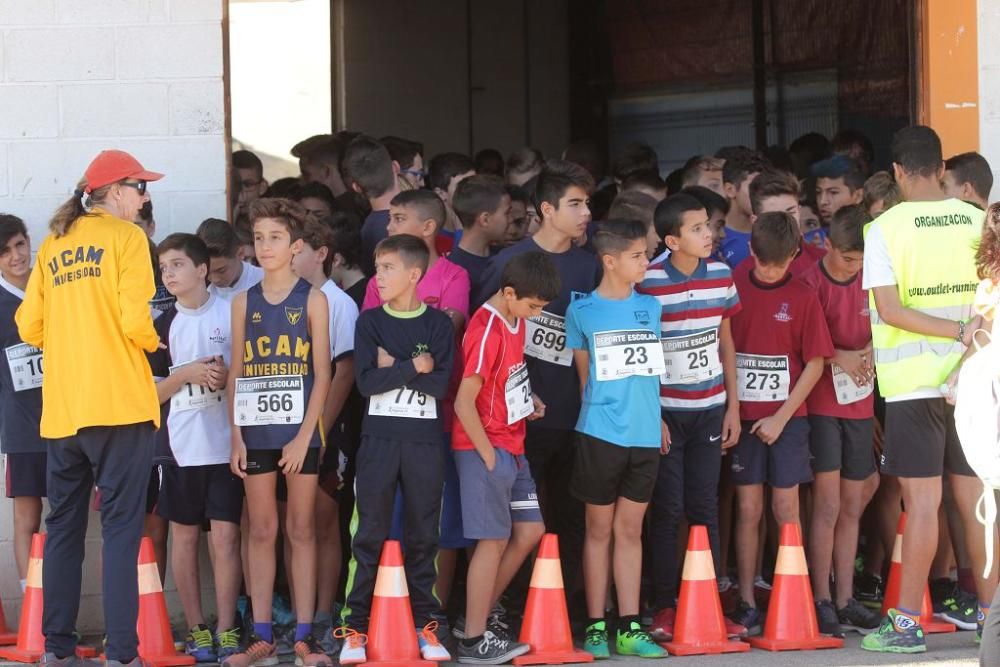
<point>932,246</point>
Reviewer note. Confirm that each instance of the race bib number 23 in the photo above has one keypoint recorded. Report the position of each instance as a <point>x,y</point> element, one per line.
<point>628,352</point>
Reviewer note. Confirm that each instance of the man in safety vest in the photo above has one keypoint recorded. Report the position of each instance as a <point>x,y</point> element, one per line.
<point>921,272</point>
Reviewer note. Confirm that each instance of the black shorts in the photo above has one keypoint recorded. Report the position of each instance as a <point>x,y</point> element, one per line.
<point>194,494</point>
<point>781,465</point>
<point>263,461</point>
<point>153,490</point>
<point>26,475</point>
<point>604,472</point>
<point>329,469</point>
<point>846,445</point>
<point>921,441</point>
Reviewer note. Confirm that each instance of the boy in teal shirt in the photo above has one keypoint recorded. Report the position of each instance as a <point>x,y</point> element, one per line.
<point>615,337</point>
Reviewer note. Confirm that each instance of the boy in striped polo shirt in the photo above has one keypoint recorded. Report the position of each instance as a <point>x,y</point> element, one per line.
<point>697,392</point>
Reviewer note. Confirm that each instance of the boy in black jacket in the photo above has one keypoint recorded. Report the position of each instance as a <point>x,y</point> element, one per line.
<point>403,357</point>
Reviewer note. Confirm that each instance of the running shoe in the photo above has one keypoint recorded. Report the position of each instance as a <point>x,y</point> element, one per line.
<point>200,644</point>
<point>827,619</point>
<point>490,650</point>
<point>352,646</point>
<point>595,641</point>
<point>896,634</point>
<point>748,617</point>
<point>662,627</point>
<point>258,653</point>
<point>869,590</point>
<point>309,653</point>
<point>636,641</point>
<point>227,643</point>
<point>954,605</point>
<point>855,616</point>
<point>430,646</point>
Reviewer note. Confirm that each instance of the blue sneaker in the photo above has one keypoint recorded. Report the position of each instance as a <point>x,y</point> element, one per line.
<point>200,644</point>
<point>227,643</point>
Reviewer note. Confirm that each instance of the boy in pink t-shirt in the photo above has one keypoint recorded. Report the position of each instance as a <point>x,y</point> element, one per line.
<point>445,287</point>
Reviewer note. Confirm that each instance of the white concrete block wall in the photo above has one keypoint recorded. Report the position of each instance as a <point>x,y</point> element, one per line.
<point>78,76</point>
<point>989,88</point>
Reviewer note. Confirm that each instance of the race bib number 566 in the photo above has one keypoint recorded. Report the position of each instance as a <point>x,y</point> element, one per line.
<point>279,399</point>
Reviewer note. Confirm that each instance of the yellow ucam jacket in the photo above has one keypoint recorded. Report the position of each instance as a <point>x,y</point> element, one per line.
<point>87,307</point>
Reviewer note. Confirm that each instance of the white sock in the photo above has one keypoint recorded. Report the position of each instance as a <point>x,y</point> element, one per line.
<point>24,585</point>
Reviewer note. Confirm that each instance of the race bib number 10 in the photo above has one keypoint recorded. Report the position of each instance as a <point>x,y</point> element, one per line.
<point>762,378</point>
<point>194,396</point>
<point>628,352</point>
<point>279,399</point>
<point>25,363</point>
<point>848,392</point>
<point>545,339</point>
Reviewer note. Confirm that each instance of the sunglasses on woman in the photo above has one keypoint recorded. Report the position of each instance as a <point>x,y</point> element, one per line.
<point>140,186</point>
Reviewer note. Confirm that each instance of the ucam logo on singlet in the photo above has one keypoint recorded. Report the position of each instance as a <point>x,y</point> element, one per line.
<point>65,266</point>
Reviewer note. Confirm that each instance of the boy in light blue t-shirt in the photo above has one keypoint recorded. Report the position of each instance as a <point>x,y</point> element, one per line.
<point>615,337</point>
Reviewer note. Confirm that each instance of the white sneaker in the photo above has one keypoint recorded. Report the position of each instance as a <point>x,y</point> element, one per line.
<point>352,651</point>
<point>430,647</point>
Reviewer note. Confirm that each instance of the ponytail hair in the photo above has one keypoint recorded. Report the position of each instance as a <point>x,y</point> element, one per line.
<point>78,205</point>
<point>988,249</point>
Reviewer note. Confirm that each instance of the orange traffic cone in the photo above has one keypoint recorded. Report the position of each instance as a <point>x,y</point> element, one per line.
<point>546,619</point>
<point>30,640</point>
<point>891,600</point>
<point>392,637</point>
<point>699,626</point>
<point>7,638</point>
<point>791,618</point>
<point>156,642</point>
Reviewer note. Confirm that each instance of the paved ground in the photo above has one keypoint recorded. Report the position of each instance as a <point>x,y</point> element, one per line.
<point>943,651</point>
<point>953,649</point>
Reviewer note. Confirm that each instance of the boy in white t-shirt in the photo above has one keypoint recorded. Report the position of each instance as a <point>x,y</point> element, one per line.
<point>313,264</point>
<point>192,447</point>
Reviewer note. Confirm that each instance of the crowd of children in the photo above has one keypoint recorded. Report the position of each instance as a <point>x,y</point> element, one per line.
<point>465,358</point>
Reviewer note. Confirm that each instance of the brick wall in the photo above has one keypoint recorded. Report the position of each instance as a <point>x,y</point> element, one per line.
<point>78,76</point>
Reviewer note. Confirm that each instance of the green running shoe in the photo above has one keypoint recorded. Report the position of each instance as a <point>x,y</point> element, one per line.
<point>636,641</point>
<point>596,641</point>
<point>897,634</point>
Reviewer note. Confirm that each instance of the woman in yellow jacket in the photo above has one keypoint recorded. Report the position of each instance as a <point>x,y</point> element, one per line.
<point>87,307</point>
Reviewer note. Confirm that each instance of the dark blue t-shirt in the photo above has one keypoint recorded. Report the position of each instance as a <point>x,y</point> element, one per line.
<point>474,265</point>
<point>373,231</point>
<point>22,410</point>
<point>277,343</point>
<point>550,361</point>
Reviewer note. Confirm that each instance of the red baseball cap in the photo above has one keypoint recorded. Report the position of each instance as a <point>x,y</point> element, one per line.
<point>112,166</point>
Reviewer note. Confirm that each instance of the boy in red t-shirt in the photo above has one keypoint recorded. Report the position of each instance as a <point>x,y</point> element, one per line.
<point>781,341</point>
<point>841,426</point>
<point>499,501</point>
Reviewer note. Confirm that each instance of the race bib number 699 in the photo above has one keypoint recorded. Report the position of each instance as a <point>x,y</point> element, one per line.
<point>545,339</point>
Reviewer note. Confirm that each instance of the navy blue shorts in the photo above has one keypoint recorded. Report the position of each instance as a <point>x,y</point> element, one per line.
<point>26,475</point>
<point>194,494</point>
<point>782,465</point>
<point>492,501</point>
